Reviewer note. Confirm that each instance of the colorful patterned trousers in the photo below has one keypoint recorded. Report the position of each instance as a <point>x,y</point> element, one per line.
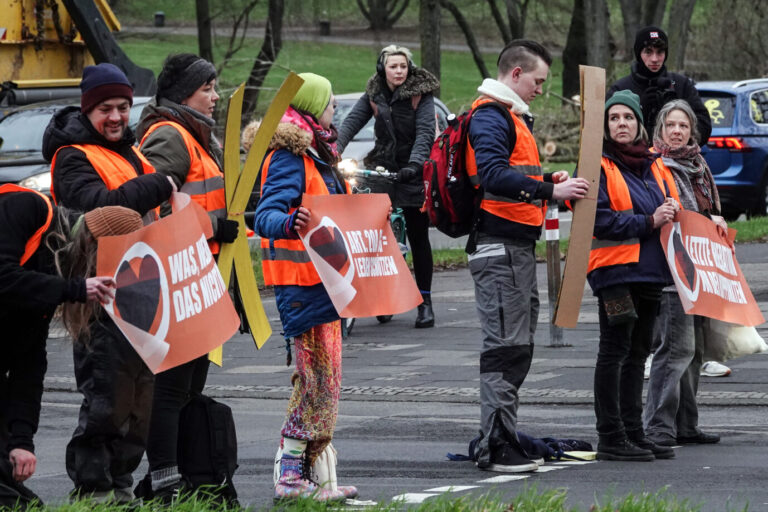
<point>314,404</point>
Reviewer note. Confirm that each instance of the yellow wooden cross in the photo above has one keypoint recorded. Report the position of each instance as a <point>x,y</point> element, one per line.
<point>238,186</point>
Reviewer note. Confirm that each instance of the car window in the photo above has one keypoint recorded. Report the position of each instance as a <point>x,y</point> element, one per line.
<point>343,108</point>
<point>758,106</point>
<point>720,107</point>
<point>23,131</point>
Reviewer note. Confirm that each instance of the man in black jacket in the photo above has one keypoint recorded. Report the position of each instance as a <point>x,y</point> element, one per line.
<point>656,86</point>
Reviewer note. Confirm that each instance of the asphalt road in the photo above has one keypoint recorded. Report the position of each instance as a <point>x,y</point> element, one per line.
<point>410,396</point>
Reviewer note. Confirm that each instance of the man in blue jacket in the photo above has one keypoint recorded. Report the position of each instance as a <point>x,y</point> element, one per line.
<point>503,266</point>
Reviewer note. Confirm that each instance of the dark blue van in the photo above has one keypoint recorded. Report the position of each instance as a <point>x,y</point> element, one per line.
<point>737,150</point>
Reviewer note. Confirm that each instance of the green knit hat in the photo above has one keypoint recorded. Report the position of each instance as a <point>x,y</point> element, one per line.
<point>314,94</point>
<point>627,98</point>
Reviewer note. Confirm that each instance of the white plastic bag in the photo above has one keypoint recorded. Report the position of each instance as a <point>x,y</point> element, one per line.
<point>724,340</point>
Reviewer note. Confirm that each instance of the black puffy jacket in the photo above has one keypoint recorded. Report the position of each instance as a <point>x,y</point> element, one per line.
<point>405,128</point>
<point>655,91</point>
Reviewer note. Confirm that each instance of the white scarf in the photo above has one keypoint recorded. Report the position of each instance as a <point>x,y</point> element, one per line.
<point>503,94</point>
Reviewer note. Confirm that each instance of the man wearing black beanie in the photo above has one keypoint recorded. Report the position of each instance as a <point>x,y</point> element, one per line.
<point>656,86</point>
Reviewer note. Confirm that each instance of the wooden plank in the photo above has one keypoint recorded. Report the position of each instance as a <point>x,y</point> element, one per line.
<point>583,223</point>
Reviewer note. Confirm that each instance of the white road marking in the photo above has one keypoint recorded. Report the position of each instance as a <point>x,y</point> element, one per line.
<point>502,479</point>
<point>452,488</point>
<point>574,462</point>
<point>546,469</point>
<point>413,497</point>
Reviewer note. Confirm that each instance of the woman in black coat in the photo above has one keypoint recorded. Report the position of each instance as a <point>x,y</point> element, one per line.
<point>399,96</point>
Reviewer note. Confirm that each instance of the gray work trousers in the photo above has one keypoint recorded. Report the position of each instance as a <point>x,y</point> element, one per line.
<point>671,408</point>
<point>508,307</point>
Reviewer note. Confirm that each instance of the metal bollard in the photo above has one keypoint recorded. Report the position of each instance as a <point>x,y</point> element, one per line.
<point>552,232</point>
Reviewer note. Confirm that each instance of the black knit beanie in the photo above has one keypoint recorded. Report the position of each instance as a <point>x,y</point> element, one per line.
<point>102,82</point>
<point>650,36</point>
<point>182,75</point>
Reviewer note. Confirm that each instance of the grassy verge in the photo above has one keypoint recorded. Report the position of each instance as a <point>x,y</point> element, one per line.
<point>752,230</point>
<point>529,500</point>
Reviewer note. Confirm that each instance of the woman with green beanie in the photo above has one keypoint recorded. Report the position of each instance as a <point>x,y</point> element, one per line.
<point>302,159</point>
<point>627,271</point>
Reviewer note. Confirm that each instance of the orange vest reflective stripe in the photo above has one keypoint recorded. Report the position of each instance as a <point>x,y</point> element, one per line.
<point>113,169</point>
<point>663,175</point>
<point>34,241</point>
<point>524,160</point>
<point>619,252</point>
<point>286,261</point>
<point>205,181</point>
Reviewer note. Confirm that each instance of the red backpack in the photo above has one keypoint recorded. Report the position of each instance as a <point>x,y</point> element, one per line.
<point>451,200</point>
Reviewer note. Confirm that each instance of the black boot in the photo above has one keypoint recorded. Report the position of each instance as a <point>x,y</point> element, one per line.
<point>425,317</point>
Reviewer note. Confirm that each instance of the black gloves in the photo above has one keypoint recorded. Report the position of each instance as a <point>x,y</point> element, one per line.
<point>226,231</point>
<point>410,173</point>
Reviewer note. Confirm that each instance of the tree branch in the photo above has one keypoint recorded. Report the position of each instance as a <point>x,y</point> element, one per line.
<point>499,19</point>
<point>461,21</point>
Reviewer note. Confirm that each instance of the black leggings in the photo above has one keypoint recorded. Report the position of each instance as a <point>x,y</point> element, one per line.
<point>417,231</point>
<point>172,390</point>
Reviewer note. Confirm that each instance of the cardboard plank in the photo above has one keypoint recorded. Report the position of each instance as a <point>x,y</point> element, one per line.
<point>582,225</point>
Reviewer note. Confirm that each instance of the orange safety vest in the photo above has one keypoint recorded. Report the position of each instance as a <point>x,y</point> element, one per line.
<point>286,261</point>
<point>524,160</point>
<point>662,174</point>
<point>622,252</point>
<point>205,181</point>
<point>34,241</point>
<point>113,169</point>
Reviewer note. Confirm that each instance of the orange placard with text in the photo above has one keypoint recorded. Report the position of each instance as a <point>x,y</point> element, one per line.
<point>351,244</point>
<point>706,274</point>
<point>170,300</point>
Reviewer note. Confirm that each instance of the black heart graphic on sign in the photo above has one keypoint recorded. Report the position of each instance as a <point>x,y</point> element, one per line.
<point>137,297</point>
<point>329,244</point>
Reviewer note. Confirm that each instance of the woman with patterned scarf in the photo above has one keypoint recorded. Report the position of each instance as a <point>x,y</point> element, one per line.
<point>302,159</point>
<point>671,414</point>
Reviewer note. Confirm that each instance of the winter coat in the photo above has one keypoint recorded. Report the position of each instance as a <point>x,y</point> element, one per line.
<point>165,148</point>
<point>404,128</point>
<point>29,295</point>
<point>656,91</point>
<point>611,225</point>
<point>300,307</point>
<point>76,183</point>
<point>493,138</point>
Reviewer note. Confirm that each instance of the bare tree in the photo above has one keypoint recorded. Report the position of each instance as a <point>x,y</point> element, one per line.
<point>575,51</point>
<point>240,21</point>
<point>506,35</point>
<point>270,49</point>
<point>637,14</point>
<point>461,21</point>
<point>596,22</point>
<point>429,20</point>
<point>513,27</point>
<point>680,20</point>
<point>204,42</point>
<point>382,14</point>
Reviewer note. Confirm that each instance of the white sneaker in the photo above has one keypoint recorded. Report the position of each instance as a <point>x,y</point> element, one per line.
<point>714,369</point>
<point>647,371</point>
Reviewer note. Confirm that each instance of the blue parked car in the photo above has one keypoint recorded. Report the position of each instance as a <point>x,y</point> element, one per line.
<point>737,150</point>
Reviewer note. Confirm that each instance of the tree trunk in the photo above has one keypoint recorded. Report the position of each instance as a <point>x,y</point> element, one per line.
<point>382,14</point>
<point>680,21</point>
<point>469,35</point>
<point>506,36</point>
<point>596,23</point>
<point>516,17</point>
<point>575,51</point>
<point>429,20</point>
<point>631,14</point>
<point>653,12</point>
<point>204,29</point>
<point>270,49</point>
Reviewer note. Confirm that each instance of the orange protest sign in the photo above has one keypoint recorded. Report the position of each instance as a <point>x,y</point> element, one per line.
<point>351,244</point>
<point>170,299</point>
<point>706,274</point>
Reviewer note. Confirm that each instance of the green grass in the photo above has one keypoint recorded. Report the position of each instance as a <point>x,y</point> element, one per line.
<point>752,230</point>
<point>530,499</point>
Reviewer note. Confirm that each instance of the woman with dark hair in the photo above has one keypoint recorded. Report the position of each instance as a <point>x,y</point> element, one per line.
<point>399,97</point>
<point>671,414</point>
<point>176,133</point>
<point>31,231</point>
<point>302,160</point>
<point>627,271</point>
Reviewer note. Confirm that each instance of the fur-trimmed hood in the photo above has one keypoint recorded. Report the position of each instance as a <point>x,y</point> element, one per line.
<point>419,81</point>
<point>292,138</point>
